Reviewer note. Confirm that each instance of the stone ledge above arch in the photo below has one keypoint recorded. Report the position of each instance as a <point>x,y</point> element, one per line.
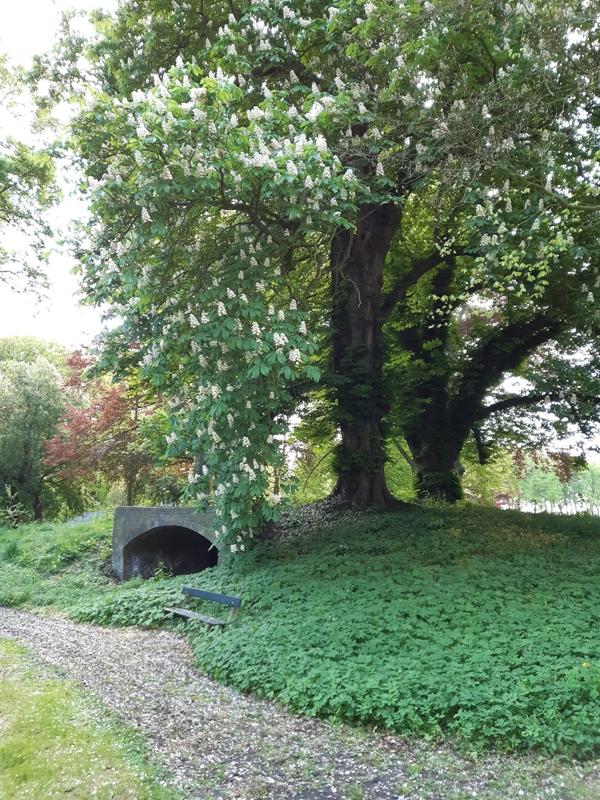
<point>134,524</point>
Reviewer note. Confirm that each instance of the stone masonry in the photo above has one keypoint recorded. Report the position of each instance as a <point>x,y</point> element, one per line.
<point>178,540</point>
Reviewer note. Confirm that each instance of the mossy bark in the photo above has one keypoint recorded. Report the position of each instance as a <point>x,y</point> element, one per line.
<point>357,261</point>
<point>448,405</point>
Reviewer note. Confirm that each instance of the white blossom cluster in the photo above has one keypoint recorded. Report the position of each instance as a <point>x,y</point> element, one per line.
<point>227,406</point>
<point>517,241</point>
<point>227,344</point>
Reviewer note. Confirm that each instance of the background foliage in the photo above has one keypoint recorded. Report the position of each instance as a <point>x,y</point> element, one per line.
<point>27,190</point>
<point>72,441</point>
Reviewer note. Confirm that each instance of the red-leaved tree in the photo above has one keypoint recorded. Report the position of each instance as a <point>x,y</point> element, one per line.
<point>98,430</point>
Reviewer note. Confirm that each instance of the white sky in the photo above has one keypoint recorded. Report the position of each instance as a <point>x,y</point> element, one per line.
<point>28,27</point>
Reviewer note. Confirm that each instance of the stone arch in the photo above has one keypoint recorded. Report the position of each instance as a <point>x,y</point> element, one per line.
<point>179,540</point>
<point>177,550</point>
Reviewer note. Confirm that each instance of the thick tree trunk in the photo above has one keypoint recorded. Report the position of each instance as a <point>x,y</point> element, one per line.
<point>357,261</point>
<point>443,419</point>
<point>37,508</point>
<point>435,441</point>
<point>447,419</point>
<point>437,473</point>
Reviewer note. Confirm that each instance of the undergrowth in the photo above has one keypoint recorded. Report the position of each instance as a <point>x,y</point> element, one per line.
<point>472,623</point>
<point>55,564</point>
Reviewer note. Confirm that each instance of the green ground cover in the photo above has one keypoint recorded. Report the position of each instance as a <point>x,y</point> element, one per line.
<point>55,564</point>
<point>57,742</point>
<point>473,623</point>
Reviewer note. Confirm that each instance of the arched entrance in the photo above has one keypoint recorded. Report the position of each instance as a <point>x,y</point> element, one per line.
<point>173,548</point>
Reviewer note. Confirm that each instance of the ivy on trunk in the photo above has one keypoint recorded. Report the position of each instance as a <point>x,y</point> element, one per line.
<point>357,263</point>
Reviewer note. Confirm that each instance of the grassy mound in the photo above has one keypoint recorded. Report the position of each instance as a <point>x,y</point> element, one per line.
<point>55,564</point>
<point>474,623</point>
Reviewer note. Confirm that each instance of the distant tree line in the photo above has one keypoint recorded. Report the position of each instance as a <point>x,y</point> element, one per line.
<point>71,441</point>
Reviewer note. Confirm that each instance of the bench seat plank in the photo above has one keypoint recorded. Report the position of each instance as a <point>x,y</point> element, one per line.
<point>183,612</point>
<point>226,599</point>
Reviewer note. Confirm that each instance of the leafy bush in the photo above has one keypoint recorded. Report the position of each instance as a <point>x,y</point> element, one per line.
<point>139,604</point>
<point>49,546</point>
<point>479,624</point>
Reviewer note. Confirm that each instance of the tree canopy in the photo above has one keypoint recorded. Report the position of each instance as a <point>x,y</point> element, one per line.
<point>371,211</point>
<point>27,190</point>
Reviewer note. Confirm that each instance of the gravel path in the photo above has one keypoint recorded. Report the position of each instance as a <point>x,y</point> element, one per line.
<point>217,744</point>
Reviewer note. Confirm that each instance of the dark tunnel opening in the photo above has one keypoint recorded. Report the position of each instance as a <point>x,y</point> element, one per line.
<point>177,550</point>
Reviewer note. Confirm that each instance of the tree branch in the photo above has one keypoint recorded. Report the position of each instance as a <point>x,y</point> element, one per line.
<point>404,453</point>
<point>417,271</point>
<point>515,401</point>
<point>503,351</point>
<point>481,453</point>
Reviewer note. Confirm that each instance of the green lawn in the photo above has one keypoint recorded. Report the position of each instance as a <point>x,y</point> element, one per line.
<point>472,623</point>
<point>56,742</point>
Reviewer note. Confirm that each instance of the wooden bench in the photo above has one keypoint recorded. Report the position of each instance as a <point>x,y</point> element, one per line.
<point>226,599</point>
